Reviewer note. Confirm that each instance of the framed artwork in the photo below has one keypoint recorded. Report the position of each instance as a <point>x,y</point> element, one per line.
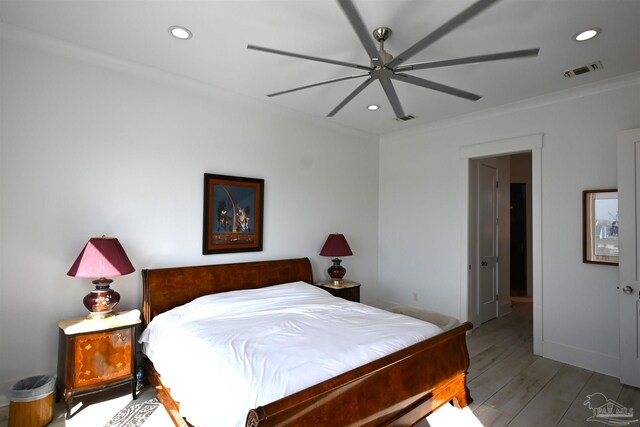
<point>233,211</point>
<point>600,226</point>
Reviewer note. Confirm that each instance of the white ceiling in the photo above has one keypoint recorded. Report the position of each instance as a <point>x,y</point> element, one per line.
<point>136,30</point>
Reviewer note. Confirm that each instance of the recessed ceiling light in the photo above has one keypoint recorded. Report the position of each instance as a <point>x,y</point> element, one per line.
<point>372,107</point>
<point>587,34</point>
<point>180,32</point>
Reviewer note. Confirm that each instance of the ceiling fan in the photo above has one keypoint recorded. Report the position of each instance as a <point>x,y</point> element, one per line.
<point>386,68</point>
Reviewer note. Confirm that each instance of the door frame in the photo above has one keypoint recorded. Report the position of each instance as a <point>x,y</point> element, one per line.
<point>532,143</point>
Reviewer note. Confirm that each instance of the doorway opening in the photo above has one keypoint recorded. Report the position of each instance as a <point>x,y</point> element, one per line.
<point>531,145</point>
<point>518,237</point>
<point>521,237</point>
<point>501,234</point>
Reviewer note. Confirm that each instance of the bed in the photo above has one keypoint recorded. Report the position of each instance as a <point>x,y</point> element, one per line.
<point>401,388</point>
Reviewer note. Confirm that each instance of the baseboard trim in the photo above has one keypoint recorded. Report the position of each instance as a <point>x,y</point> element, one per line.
<point>593,361</point>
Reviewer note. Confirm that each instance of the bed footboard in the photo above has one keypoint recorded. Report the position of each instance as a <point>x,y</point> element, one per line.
<point>400,389</point>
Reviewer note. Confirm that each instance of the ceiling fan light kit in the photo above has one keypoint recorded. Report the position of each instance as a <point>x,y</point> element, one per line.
<point>385,68</point>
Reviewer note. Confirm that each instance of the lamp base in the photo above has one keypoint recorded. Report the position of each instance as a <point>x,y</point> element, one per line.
<point>100,316</point>
<point>336,271</point>
<point>101,301</point>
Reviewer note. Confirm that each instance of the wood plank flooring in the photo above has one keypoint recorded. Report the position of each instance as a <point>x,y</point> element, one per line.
<point>513,387</point>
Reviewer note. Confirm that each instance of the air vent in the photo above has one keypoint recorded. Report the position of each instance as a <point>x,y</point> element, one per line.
<point>405,118</point>
<point>594,66</point>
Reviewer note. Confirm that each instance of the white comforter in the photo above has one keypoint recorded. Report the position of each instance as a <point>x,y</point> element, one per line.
<point>224,354</point>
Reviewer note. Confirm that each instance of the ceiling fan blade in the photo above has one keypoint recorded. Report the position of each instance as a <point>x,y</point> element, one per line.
<point>352,95</point>
<point>309,57</point>
<point>392,96</point>
<point>359,27</point>
<point>339,79</point>
<point>444,29</point>
<point>470,60</point>
<point>435,86</point>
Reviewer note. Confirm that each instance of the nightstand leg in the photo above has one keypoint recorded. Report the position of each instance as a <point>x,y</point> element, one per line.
<point>134,394</point>
<point>68,402</point>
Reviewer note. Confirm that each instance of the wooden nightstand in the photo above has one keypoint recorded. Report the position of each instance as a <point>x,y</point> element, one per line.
<point>96,355</point>
<point>346,289</point>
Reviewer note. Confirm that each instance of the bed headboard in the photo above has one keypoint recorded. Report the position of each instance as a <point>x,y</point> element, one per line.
<point>165,288</point>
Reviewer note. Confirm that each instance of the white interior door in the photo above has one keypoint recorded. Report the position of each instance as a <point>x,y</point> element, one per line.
<point>487,241</point>
<point>629,238</point>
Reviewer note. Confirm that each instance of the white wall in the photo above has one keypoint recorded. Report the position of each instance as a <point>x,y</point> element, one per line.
<point>88,150</point>
<point>421,214</point>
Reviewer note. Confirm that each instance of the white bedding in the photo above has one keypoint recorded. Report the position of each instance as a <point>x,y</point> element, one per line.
<point>224,354</point>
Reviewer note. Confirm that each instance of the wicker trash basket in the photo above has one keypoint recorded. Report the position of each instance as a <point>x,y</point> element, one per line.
<point>31,401</point>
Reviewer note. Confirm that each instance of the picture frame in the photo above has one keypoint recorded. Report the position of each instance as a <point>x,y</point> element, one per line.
<point>233,214</point>
<point>600,226</point>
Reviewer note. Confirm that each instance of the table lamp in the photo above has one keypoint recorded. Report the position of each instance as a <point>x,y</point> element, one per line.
<point>101,257</point>
<point>336,246</point>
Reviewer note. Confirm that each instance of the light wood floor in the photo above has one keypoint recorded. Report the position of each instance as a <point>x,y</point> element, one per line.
<point>512,387</point>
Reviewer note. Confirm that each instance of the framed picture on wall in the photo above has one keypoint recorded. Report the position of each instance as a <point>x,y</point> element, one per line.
<point>233,213</point>
<point>600,226</point>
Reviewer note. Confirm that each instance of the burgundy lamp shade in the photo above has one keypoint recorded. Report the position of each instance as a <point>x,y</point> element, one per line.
<point>101,257</point>
<point>336,246</point>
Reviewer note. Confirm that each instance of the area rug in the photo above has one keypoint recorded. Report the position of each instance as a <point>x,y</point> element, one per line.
<point>134,415</point>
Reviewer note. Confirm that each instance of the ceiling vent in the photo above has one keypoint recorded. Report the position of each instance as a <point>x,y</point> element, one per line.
<point>405,118</point>
<point>594,66</point>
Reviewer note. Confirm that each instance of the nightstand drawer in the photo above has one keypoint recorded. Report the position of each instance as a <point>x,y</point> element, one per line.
<point>104,356</point>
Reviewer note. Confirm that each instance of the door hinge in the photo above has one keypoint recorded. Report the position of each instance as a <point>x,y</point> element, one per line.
<point>497,299</point>
<point>497,184</point>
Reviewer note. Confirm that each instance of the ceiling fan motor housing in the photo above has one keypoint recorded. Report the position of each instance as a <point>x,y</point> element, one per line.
<point>385,57</point>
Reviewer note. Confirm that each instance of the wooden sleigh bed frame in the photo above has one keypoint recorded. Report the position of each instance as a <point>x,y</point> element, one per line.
<point>400,389</point>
